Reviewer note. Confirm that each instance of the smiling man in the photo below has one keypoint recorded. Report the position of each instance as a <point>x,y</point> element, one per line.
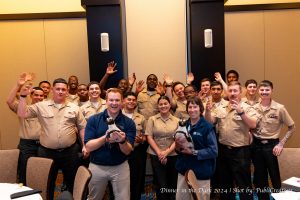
<point>109,156</point>
<point>234,122</point>
<point>30,129</point>
<point>147,98</point>
<point>266,144</point>
<point>137,159</point>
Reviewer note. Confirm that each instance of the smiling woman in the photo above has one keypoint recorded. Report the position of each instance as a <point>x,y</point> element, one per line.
<point>159,131</point>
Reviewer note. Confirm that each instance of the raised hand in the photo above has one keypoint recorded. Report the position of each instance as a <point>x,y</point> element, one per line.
<point>201,95</point>
<point>139,86</point>
<point>24,77</point>
<point>235,104</point>
<point>111,68</point>
<point>131,79</point>
<point>190,78</point>
<point>26,89</point>
<point>218,77</point>
<point>168,79</point>
<point>160,88</point>
<point>209,105</point>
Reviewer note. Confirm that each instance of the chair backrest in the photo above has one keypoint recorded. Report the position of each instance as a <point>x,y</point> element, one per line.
<point>9,165</point>
<point>289,163</point>
<point>37,174</point>
<point>191,180</point>
<point>82,179</point>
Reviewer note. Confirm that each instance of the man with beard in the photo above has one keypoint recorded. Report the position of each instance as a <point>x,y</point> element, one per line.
<point>72,87</point>
<point>266,144</point>
<point>234,153</point>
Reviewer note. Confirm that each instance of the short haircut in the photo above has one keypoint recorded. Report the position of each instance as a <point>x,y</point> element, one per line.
<point>177,83</point>
<point>163,97</point>
<point>151,75</point>
<point>73,76</point>
<point>60,80</point>
<point>195,100</point>
<point>82,84</point>
<point>232,83</point>
<point>204,80</point>
<point>250,81</point>
<point>233,72</point>
<point>44,82</point>
<point>266,83</point>
<point>191,86</point>
<point>36,88</point>
<point>215,83</point>
<point>114,90</point>
<point>129,94</point>
<point>92,83</point>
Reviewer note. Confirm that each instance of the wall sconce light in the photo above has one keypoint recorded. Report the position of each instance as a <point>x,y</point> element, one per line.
<point>208,38</point>
<point>104,39</point>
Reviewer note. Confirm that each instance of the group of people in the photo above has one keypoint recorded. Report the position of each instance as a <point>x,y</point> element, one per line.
<point>226,125</point>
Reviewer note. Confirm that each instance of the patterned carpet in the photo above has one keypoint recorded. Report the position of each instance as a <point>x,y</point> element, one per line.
<point>148,195</point>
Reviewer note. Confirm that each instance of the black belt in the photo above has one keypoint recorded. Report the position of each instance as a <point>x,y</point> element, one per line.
<point>29,141</point>
<point>262,141</point>
<point>232,147</point>
<point>61,149</point>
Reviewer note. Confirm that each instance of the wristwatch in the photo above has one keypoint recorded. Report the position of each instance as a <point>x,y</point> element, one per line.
<point>241,113</point>
<point>124,141</point>
<point>195,152</point>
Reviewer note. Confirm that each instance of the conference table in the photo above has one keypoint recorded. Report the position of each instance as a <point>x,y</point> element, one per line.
<point>6,189</point>
<point>290,190</point>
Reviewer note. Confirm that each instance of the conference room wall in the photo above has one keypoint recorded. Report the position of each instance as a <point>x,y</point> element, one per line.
<point>49,48</point>
<point>259,44</point>
<point>266,45</point>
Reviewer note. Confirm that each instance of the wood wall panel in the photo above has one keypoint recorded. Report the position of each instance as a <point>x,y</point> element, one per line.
<point>50,49</point>
<point>282,30</point>
<point>22,49</point>
<point>66,49</point>
<point>244,44</point>
<point>266,45</point>
<point>156,38</point>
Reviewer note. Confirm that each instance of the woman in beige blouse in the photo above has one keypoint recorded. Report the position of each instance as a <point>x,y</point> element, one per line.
<point>159,131</point>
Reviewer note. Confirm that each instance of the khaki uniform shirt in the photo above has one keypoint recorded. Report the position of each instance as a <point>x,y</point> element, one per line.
<point>162,132</point>
<point>271,121</point>
<point>139,121</point>
<point>251,103</point>
<point>89,109</point>
<point>215,112</point>
<point>73,98</point>
<point>60,125</point>
<point>30,128</point>
<point>233,131</point>
<point>147,105</point>
<point>180,112</point>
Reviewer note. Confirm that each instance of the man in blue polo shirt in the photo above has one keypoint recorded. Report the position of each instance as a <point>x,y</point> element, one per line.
<point>109,151</point>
